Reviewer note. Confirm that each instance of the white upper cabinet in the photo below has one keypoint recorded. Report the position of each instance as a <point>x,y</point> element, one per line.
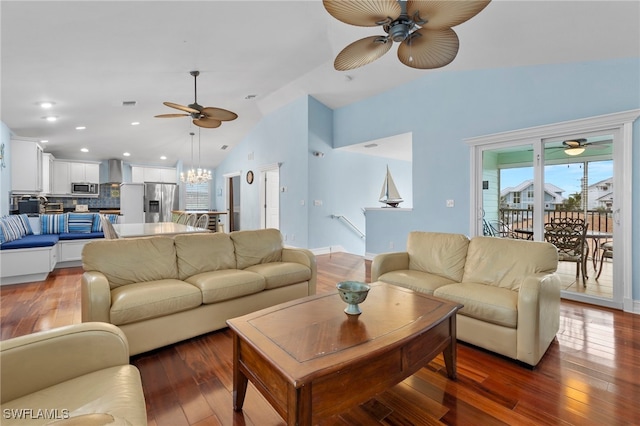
<point>85,172</point>
<point>26,166</point>
<point>47,173</point>
<point>153,174</point>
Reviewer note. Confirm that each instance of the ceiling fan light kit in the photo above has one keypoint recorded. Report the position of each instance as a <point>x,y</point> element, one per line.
<point>206,117</point>
<point>423,29</point>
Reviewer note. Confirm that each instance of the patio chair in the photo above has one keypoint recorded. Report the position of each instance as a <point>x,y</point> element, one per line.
<point>569,237</point>
<point>606,252</point>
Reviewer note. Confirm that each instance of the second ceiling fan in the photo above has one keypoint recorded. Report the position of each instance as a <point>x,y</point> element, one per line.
<point>208,117</point>
<point>423,29</point>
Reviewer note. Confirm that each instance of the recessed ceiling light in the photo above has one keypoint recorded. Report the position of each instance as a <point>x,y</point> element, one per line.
<point>81,127</point>
<point>163,157</point>
<point>46,104</point>
<point>51,118</point>
<point>135,123</point>
<point>44,141</point>
<point>126,154</point>
<point>84,150</point>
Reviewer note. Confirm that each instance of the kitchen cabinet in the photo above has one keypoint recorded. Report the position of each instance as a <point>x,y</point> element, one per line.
<point>61,177</point>
<point>153,174</point>
<point>47,173</point>
<point>67,172</point>
<point>84,172</point>
<point>26,166</point>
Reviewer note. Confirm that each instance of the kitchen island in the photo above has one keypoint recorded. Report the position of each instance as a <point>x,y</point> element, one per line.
<point>134,230</point>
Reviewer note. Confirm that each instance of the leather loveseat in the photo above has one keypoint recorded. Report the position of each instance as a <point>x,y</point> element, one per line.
<point>162,290</point>
<point>77,375</point>
<point>509,288</point>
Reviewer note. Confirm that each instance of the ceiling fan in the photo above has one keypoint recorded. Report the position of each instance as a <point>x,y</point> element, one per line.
<point>208,117</point>
<point>423,29</point>
<point>578,146</point>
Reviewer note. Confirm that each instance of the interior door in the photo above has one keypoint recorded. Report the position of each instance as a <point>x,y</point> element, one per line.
<point>270,180</point>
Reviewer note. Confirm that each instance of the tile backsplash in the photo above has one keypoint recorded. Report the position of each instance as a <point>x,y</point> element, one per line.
<point>108,197</point>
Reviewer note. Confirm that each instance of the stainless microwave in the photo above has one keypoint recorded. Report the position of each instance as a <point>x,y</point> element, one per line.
<point>83,188</point>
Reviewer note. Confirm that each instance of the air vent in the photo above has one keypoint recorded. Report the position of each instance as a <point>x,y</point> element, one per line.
<point>223,147</point>
<point>371,145</point>
<point>129,103</point>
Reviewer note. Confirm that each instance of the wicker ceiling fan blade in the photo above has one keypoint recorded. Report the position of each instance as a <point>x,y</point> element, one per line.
<point>219,114</point>
<point>208,123</point>
<point>181,107</point>
<point>445,14</point>
<point>428,49</point>
<point>171,115</point>
<point>363,13</point>
<point>362,52</point>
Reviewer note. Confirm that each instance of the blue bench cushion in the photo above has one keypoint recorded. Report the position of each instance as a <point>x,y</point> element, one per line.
<point>80,236</point>
<point>30,241</point>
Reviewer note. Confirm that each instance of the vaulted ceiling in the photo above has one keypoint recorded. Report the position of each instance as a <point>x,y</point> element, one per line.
<point>91,57</point>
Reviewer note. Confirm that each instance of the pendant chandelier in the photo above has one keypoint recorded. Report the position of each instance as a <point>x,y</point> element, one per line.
<point>196,176</point>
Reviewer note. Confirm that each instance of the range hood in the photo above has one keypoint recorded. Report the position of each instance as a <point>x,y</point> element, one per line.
<point>115,171</point>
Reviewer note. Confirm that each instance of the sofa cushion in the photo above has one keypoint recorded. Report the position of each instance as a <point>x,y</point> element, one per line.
<point>198,253</point>
<point>280,274</point>
<point>114,390</point>
<point>131,260</point>
<point>438,253</point>
<point>54,223</point>
<point>257,246</point>
<point>484,302</point>
<point>146,300</point>
<point>30,241</point>
<point>422,282</point>
<point>226,284</point>
<point>505,262</point>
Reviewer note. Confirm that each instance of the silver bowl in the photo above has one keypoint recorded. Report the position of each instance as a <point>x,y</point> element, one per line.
<point>352,293</point>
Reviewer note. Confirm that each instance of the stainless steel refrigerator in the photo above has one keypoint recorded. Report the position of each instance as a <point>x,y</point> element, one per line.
<point>160,199</point>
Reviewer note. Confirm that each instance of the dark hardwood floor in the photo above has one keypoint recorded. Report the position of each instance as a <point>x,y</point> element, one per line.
<point>589,376</point>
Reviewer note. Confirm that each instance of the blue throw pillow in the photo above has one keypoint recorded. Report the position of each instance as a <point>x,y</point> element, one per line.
<point>24,220</point>
<point>80,222</point>
<point>97,225</point>
<point>54,223</point>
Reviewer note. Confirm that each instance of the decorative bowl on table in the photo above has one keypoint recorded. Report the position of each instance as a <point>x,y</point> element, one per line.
<point>352,293</point>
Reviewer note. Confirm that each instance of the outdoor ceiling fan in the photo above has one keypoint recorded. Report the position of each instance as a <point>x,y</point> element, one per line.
<point>423,29</point>
<point>578,146</point>
<point>208,117</point>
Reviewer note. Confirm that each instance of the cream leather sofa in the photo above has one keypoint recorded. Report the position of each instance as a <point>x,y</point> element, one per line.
<point>162,290</point>
<point>509,289</point>
<point>75,375</point>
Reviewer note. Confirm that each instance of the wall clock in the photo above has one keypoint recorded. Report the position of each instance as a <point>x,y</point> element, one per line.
<point>249,177</point>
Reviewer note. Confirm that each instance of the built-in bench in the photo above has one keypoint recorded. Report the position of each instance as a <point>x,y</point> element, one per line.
<point>32,247</point>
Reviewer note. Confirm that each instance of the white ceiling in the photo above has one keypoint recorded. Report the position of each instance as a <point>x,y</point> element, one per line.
<point>88,57</point>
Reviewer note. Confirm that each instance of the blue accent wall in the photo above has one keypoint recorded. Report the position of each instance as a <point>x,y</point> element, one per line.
<point>441,109</point>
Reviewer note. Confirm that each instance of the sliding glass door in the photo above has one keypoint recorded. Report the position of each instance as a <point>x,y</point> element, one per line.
<point>580,170</point>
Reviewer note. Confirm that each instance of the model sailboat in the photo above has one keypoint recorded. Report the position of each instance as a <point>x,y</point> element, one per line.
<point>389,194</point>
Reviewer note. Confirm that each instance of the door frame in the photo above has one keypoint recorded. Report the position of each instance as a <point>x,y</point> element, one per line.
<point>620,124</point>
<point>229,198</point>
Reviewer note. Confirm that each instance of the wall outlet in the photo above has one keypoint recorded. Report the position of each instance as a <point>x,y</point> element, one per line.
<point>317,202</point>
<point>450,203</point>
<point>391,245</point>
<point>302,202</point>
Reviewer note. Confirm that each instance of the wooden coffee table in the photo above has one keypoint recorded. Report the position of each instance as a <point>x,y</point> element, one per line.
<point>311,360</point>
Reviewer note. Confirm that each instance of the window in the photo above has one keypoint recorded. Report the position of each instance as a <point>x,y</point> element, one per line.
<point>516,198</point>
<point>197,196</point>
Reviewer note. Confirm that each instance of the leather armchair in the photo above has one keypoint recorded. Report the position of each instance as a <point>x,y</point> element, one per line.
<point>78,374</point>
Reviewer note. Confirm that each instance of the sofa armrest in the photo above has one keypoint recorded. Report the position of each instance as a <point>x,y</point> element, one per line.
<point>95,293</point>
<point>304,257</point>
<point>538,315</point>
<point>37,361</point>
<point>387,262</point>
